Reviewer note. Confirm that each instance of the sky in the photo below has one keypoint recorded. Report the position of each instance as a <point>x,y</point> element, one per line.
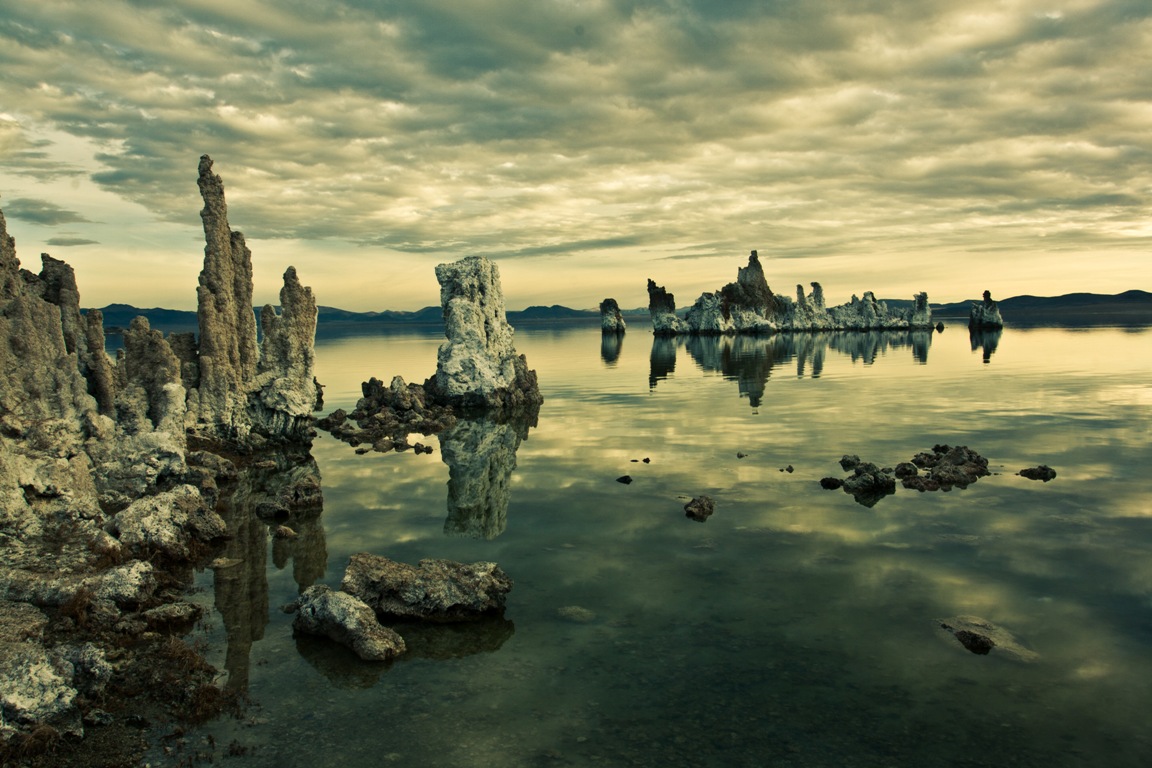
<point>584,145</point>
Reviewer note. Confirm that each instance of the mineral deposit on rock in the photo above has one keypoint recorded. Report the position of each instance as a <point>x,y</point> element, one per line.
<point>611,321</point>
<point>341,617</point>
<point>748,305</point>
<point>985,314</point>
<point>477,367</point>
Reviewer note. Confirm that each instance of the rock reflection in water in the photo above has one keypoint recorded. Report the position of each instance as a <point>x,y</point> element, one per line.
<point>480,454</point>
<point>610,345</point>
<point>986,340</point>
<point>663,358</point>
<point>750,360</point>
<point>439,642</point>
<point>281,489</point>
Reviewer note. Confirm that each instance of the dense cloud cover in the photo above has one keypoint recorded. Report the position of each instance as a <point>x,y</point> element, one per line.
<point>891,146</point>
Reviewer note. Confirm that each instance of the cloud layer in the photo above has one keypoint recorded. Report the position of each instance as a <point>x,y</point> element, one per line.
<point>884,146</point>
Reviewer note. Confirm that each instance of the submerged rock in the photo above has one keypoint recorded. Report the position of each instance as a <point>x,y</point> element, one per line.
<point>341,617</point>
<point>611,321</point>
<point>436,590</point>
<point>1042,472</point>
<point>700,508</point>
<point>478,367</point>
<point>982,637</point>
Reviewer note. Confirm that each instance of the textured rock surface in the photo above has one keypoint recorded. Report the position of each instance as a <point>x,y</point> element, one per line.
<point>341,617</point>
<point>946,467</point>
<point>700,508</point>
<point>985,314</point>
<point>662,309</point>
<point>611,321</point>
<point>981,636</point>
<point>748,305</point>
<point>478,366</point>
<point>243,390</point>
<point>437,590</point>
<point>386,415</point>
<point>174,523</point>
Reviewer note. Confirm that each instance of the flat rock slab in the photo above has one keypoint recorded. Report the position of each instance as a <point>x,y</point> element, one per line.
<point>434,590</point>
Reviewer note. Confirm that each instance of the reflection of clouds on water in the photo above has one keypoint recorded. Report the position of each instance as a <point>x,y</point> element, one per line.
<point>751,360</point>
<point>480,454</point>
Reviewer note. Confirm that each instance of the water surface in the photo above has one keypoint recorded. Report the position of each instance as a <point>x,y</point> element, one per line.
<point>795,627</point>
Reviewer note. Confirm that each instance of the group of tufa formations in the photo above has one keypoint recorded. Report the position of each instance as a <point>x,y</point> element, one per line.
<point>109,468</point>
<point>749,306</point>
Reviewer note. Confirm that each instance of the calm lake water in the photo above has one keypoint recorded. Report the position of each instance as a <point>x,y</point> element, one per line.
<point>794,627</point>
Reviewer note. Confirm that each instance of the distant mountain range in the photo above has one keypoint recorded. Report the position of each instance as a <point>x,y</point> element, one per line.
<point>1069,309</point>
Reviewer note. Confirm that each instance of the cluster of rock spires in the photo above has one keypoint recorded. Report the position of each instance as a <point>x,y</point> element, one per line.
<point>749,306</point>
<point>104,474</point>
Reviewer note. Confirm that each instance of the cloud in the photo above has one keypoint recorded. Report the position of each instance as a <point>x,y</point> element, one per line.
<point>586,126</point>
<point>68,242</point>
<point>41,212</point>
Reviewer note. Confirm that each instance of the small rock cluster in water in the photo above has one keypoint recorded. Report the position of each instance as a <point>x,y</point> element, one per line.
<point>943,468</point>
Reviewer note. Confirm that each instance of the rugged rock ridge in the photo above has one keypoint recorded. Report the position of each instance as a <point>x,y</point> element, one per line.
<point>477,367</point>
<point>241,389</point>
<point>749,306</point>
<point>94,465</point>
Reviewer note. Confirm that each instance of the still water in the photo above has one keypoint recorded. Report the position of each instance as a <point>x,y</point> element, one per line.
<point>794,627</point>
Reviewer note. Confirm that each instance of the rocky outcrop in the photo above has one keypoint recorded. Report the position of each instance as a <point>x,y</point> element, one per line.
<point>662,309</point>
<point>611,321</point>
<point>700,508</point>
<point>477,367</point>
<point>749,306</point>
<point>985,314</point>
<point>341,617</point>
<point>435,590</point>
<point>175,524</point>
<point>244,394</point>
<point>386,415</point>
<point>867,484</point>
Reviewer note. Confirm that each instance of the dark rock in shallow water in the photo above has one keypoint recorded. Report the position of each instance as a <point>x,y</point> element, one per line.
<point>981,636</point>
<point>947,467</point>
<point>831,483</point>
<point>1042,472</point>
<point>868,484</point>
<point>625,479</point>
<point>700,508</point>
<point>977,643</point>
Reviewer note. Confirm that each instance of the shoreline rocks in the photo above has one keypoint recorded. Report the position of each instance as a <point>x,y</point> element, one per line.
<point>433,590</point>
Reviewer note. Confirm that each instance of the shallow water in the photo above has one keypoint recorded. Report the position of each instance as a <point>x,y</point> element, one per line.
<point>794,627</point>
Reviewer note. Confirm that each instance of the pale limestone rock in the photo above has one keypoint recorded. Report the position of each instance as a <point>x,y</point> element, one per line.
<point>662,310</point>
<point>341,617</point>
<point>478,366</point>
<point>171,523</point>
<point>286,389</point>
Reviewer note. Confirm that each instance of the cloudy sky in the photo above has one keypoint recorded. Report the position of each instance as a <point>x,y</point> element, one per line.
<point>586,145</point>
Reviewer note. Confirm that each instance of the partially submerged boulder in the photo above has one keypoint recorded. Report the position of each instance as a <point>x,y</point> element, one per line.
<point>434,590</point>
<point>946,467</point>
<point>700,508</point>
<point>983,637</point>
<point>349,621</point>
<point>1042,472</point>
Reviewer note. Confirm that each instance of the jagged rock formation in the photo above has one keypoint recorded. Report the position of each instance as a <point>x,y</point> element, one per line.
<point>239,389</point>
<point>611,321</point>
<point>478,366</point>
<point>93,466</point>
<point>662,309</point>
<point>436,590</point>
<point>386,416</point>
<point>749,306</point>
<point>985,314</point>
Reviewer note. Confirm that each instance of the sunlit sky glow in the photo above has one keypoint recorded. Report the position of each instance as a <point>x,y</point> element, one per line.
<point>586,145</point>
